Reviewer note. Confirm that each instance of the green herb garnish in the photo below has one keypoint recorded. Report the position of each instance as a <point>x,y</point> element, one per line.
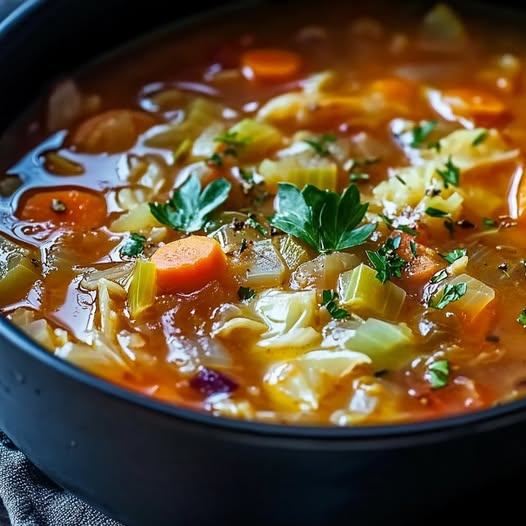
<point>356,178</point>
<point>435,212</point>
<point>452,256</point>
<point>252,222</point>
<point>189,207</point>
<point>488,222</point>
<point>439,276</point>
<point>329,299</point>
<point>231,139</point>
<point>522,318</point>
<point>450,294</point>
<point>216,159</point>
<point>421,132</point>
<point>408,230</point>
<point>437,374</point>
<point>412,246</point>
<point>480,138</point>
<point>133,246</point>
<point>245,293</point>
<point>386,261</point>
<point>450,174</point>
<point>323,219</point>
<point>320,144</point>
<point>400,179</point>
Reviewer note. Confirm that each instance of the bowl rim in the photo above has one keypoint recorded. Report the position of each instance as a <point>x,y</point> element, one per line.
<point>481,420</point>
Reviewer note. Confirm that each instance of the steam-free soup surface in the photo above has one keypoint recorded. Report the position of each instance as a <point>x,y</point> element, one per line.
<point>322,223</point>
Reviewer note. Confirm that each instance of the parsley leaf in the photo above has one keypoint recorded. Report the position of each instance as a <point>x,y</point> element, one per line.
<point>189,207</point>
<point>437,374</point>
<point>252,222</point>
<point>450,174</point>
<point>320,145</point>
<point>452,256</point>
<point>421,132</point>
<point>329,298</point>
<point>480,138</point>
<point>408,230</point>
<point>522,318</point>
<point>435,212</point>
<point>386,261</point>
<point>323,219</point>
<point>412,246</point>
<point>245,293</point>
<point>439,276</point>
<point>133,246</point>
<point>450,294</point>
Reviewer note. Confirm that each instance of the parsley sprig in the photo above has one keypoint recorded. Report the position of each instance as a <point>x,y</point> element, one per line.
<point>329,301</point>
<point>325,220</point>
<point>452,256</point>
<point>133,246</point>
<point>450,173</point>
<point>190,206</point>
<point>421,132</point>
<point>386,261</point>
<point>321,144</point>
<point>437,374</point>
<point>450,294</point>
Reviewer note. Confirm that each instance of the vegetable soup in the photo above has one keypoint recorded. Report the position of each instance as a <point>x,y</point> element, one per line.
<point>319,225</point>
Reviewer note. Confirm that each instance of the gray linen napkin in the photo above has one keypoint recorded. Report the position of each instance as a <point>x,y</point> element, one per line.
<point>31,499</point>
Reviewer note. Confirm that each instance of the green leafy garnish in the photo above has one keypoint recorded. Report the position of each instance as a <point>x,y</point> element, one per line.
<point>435,145</point>
<point>231,139</point>
<point>450,294</point>
<point>439,276</point>
<point>252,222</point>
<point>216,159</point>
<point>488,222</point>
<point>400,180</point>
<point>323,219</point>
<point>452,256</point>
<point>358,177</point>
<point>408,230</point>
<point>522,318</point>
<point>245,293</point>
<point>386,261</point>
<point>329,299</point>
<point>435,212</point>
<point>412,246</point>
<point>437,374</point>
<point>189,207</point>
<point>320,145</point>
<point>480,138</point>
<point>133,246</point>
<point>421,132</point>
<point>450,174</point>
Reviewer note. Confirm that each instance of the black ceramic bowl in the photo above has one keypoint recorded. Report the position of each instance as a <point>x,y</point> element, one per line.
<point>146,463</point>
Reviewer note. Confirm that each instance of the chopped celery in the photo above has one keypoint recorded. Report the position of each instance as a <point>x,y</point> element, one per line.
<point>265,268</point>
<point>254,138</point>
<point>387,344</point>
<point>231,238</point>
<point>300,171</point>
<point>200,114</point>
<point>292,252</point>
<point>16,282</point>
<point>477,297</point>
<point>143,288</point>
<point>362,292</point>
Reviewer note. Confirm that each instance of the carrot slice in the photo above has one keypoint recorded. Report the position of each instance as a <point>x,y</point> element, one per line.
<point>270,64</point>
<point>75,207</point>
<point>188,264</point>
<point>113,131</point>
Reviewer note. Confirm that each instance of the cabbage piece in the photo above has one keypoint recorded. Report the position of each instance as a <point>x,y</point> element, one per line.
<point>265,267</point>
<point>299,384</point>
<point>138,219</point>
<point>143,287</point>
<point>300,171</point>
<point>19,276</point>
<point>363,293</point>
<point>389,345</point>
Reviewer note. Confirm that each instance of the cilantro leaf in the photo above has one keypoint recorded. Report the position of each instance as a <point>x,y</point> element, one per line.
<point>450,174</point>
<point>450,294</point>
<point>452,256</point>
<point>245,293</point>
<point>320,145</point>
<point>190,206</point>
<point>325,220</point>
<point>437,374</point>
<point>133,246</point>
<point>386,261</point>
<point>421,132</point>
<point>329,299</point>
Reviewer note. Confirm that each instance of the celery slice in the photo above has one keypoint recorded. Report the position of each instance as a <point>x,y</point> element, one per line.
<point>389,345</point>
<point>17,281</point>
<point>143,288</point>
<point>265,268</point>
<point>255,138</point>
<point>360,291</point>
<point>300,171</point>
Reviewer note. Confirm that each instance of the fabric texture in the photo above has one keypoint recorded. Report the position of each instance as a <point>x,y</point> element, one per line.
<point>31,499</point>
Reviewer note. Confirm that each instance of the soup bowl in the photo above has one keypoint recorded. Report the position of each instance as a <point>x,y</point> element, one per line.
<point>145,462</point>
